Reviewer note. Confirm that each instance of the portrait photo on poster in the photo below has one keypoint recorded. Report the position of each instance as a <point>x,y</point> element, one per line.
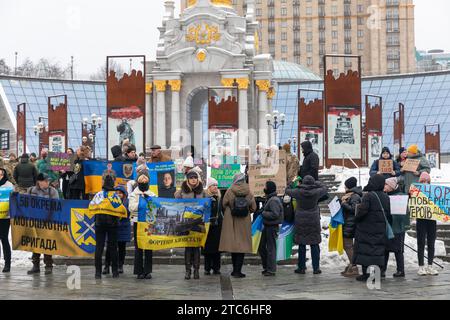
<point>166,185</point>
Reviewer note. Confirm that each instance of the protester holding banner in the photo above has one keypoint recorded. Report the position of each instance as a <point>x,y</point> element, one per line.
<point>389,169</point>
<point>372,217</point>
<point>307,221</point>
<point>426,229</point>
<point>211,250</point>
<point>6,187</point>
<point>43,189</point>
<point>65,177</point>
<point>191,188</point>
<point>311,162</point>
<point>272,216</point>
<point>412,175</point>
<point>138,201</point>
<point>123,235</point>
<point>236,237</point>
<point>400,224</point>
<point>25,174</point>
<point>43,166</point>
<point>76,181</point>
<point>349,202</point>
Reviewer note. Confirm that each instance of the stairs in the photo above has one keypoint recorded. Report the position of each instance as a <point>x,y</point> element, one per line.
<point>176,256</point>
<point>443,234</point>
<point>167,257</point>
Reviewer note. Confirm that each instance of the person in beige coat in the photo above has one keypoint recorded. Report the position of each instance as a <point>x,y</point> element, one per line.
<point>236,236</point>
<point>292,164</point>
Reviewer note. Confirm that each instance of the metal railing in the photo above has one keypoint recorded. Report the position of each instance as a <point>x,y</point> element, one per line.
<point>346,156</point>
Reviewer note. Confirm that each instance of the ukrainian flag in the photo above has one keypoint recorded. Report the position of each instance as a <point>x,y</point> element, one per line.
<point>257,228</point>
<point>336,240</point>
<point>93,172</point>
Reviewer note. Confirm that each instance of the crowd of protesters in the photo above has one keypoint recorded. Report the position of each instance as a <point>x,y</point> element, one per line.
<point>366,211</point>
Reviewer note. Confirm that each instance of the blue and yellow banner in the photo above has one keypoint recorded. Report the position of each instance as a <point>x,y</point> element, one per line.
<point>429,202</point>
<point>51,226</point>
<point>172,223</point>
<point>108,203</point>
<point>5,192</point>
<point>257,228</point>
<point>126,171</point>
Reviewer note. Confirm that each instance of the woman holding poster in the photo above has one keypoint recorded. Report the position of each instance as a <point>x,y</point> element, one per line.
<point>400,224</point>
<point>6,188</point>
<point>411,175</point>
<point>426,229</point>
<point>386,165</point>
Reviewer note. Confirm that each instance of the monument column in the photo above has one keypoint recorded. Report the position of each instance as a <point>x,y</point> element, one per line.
<point>176,112</point>
<point>160,131</point>
<point>263,109</point>
<point>243,111</point>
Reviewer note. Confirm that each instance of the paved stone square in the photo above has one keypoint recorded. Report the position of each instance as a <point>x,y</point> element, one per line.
<point>168,284</point>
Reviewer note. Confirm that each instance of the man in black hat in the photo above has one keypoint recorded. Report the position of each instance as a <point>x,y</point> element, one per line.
<point>157,156</point>
<point>42,189</point>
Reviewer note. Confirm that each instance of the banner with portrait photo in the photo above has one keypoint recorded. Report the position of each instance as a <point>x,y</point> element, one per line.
<point>316,137</point>
<point>429,202</point>
<point>173,223</point>
<point>344,132</point>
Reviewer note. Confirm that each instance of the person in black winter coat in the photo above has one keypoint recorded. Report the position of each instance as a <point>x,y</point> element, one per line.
<point>106,227</point>
<point>211,250</point>
<point>272,215</point>
<point>370,234</point>
<point>349,201</point>
<point>307,221</point>
<point>117,154</point>
<point>76,182</point>
<point>385,155</point>
<point>310,165</point>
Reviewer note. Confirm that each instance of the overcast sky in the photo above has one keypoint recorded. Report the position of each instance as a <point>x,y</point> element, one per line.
<point>92,29</point>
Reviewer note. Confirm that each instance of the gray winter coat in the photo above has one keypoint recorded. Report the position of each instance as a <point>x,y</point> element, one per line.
<point>273,211</point>
<point>50,193</point>
<point>409,177</point>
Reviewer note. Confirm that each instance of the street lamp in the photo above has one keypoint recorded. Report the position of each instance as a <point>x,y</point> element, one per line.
<point>91,127</point>
<point>276,121</point>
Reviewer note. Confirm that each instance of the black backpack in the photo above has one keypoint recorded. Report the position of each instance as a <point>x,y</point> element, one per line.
<point>289,213</point>
<point>240,208</point>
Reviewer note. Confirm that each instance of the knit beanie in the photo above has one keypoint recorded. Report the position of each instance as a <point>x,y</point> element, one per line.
<point>351,183</point>
<point>392,183</point>
<point>414,149</point>
<point>212,182</point>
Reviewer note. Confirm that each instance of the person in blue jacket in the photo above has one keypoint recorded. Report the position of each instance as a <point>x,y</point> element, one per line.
<point>385,155</point>
<point>123,234</point>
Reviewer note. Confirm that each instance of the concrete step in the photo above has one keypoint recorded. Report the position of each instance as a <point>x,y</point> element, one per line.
<point>444,258</point>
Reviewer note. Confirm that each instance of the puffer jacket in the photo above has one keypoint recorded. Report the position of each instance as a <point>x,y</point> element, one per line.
<point>410,177</point>
<point>187,192</point>
<point>352,199</point>
<point>25,173</point>
<point>273,211</point>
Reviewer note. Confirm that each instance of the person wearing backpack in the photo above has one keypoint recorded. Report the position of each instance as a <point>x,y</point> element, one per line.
<point>272,218</point>
<point>373,218</point>
<point>236,237</point>
<point>191,188</point>
<point>349,201</point>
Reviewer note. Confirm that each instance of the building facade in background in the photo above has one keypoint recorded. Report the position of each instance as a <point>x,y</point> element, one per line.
<point>303,31</point>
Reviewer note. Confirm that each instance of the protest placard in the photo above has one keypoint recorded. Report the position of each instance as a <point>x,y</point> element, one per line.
<point>411,165</point>
<point>60,161</point>
<point>225,173</point>
<point>429,202</point>
<point>399,204</point>
<point>385,166</point>
<point>274,170</point>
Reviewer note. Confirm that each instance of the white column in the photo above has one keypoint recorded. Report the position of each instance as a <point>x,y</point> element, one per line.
<point>243,138</point>
<point>176,113</point>
<point>263,86</point>
<point>160,113</point>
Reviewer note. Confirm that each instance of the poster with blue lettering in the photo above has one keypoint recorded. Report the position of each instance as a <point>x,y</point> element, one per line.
<point>429,202</point>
